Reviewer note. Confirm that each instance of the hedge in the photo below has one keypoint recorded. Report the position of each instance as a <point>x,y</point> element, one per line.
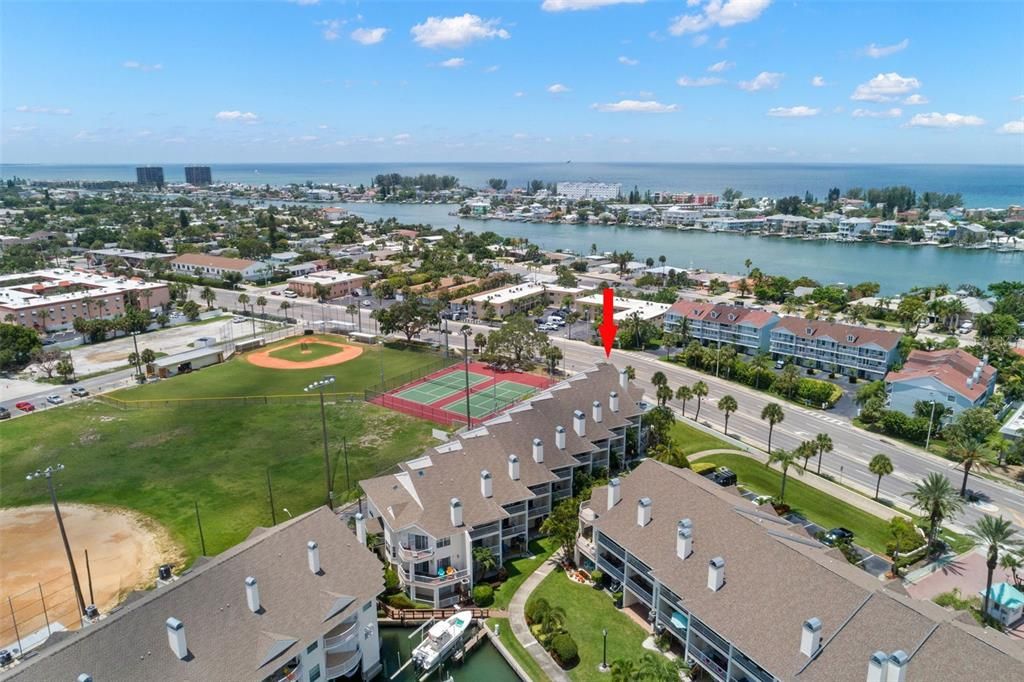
<point>483,595</point>
<point>702,467</point>
<point>563,648</point>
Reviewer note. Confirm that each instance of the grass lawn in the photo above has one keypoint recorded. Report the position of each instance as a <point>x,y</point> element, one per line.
<point>237,377</point>
<point>588,611</point>
<point>821,508</point>
<point>508,639</point>
<point>313,351</point>
<point>160,461</point>
<point>520,569</point>
<point>691,440</point>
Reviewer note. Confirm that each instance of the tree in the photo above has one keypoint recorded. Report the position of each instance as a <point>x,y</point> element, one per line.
<point>484,558</point>
<point>656,668</point>
<point>995,534</point>
<point>788,381</point>
<point>823,441</point>
<point>970,453</point>
<point>480,341</point>
<point>937,498</point>
<point>974,425</point>
<point>551,354</point>
<point>785,459</point>
<point>880,465</point>
<point>243,300</point>
<point>700,390</point>
<point>728,405</point>
<point>17,344</point>
<point>285,305</point>
<point>760,365</point>
<point>562,524</point>
<point>669,453</point>
<point>261,301</point>
<point>47,360</point>
<point>516,343</point>
<point>410,317</point>
<point>684,393</point>
<point>191,309</point>
<point>659,379</point>
<point>911,313</point>
<point>65,367</point>
<point>773,414</point>
<point>624,670</point>
<point>663,394</point>
<point>1012,563</point>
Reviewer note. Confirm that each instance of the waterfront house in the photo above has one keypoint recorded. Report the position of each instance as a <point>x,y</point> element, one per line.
<point>885,229</point>
<point>970,233</point>
<point>748,596</point>
<point>786,224</point>
<point>973,305</point>
<point>677,216</point>
<point>953,378</point>
<point>729,224</point>
<point>206,265</point>
<point>492,486</point>
<point>293,602</point>
<point>840,348</point>
<point>853,228</point>
<point>748,330</point>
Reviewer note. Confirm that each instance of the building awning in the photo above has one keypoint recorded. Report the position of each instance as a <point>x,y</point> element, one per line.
<point>680,620</point>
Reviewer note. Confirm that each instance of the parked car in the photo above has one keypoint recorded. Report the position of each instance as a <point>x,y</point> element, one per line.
<point>275,292</point>
<point>79,392</point>
<point>367,303</point>
<point>5,413</point>
<point>54,399</point>
<point>25,406</point>
<point>238,320</point>
<point>838,536</point>
<point>724,477</point>
<point>779,364</point>
<point>966,327</point>
<point>290,294</point>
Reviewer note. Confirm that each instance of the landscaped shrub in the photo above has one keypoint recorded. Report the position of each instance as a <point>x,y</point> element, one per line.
<point>390,580</point>
<point>483,595</point>
<point>563,648</point>
<point>400,601</point>
<point>702,467</point>
<point>598,578</point>
<point>536,609</point>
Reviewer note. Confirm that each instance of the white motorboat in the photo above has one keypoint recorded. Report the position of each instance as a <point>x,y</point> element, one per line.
<point>441,639</point>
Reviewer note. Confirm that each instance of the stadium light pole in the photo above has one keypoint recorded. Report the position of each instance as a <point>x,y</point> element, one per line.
<point>48,473</point>
<point>466,331</point>
<point>319,386</point>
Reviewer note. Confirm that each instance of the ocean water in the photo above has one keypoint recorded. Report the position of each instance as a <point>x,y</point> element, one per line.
<point>980,185</point>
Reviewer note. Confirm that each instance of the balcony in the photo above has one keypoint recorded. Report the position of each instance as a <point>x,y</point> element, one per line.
<point>410,554</point>
<point>707,663</point>
<point>513,529</point>
<point>431,580</point>
<point>586,547</point>
<point>345,637</point>
<point>293,676</point>
<point>339,665</point>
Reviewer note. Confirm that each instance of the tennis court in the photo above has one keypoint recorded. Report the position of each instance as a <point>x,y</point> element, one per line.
<point>490,399</point>
<point>436,388</point>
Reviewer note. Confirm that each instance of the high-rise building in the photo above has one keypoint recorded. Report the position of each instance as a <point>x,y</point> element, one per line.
<point>198,175</point>
<point>601,191</point>
<point>150,175</point>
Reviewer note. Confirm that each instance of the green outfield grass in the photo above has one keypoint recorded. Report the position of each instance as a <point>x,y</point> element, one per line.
<point>691,440</point>
<point>161,461</point>
<point>313,351</point>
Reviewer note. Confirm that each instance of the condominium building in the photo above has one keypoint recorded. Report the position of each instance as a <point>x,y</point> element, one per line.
<point>954,379</point>
<point>624,308</point>
<point>841,348</point>
<point>747,596</point>
<point>747,329</point>
<point>150,176</point>
<point>494,485</point>
<point>601,191</point>
<point>51,300</point>
<point>334,282</point>
<point>198,175</point>
<point>293,602</point>
<point>205,265</point>
<point>519,298</point>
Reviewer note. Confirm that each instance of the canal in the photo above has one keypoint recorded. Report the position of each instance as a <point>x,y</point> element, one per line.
<point>483,663</point>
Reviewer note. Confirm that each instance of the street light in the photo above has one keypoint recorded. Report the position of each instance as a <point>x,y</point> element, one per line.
<point>319,386</point>
<point>604,651</point>
<point>931,418</point>
<point>48,473</point>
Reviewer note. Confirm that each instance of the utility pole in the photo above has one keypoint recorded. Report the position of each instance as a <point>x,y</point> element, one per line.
<point>270,491</point>
<point>199,522</point>
<point>48,473</point>
<point>319,386</point>
<point>466,331</point>
<point>928,440</point>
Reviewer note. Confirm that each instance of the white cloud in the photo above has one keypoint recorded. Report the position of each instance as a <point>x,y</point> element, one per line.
<point>818,82</point>
<point>723,13</point>
<point>701,82</point>
<point>402,138</point>
<point>636,106</point>
<point>557,89</point>
<point>22,129</point>
<point>793,112</point>
<point>895,112</point>
<point>369,36</point>
<point>304,3</point>
<point>519,93</point>
<point>722,43</point>
<point>766,80</point>
<point>719,67</point>
<point>697,41</point>
<point>56,111</point>
<point>885,87</point>
<point>916,99</point>
<point>331,28</point>
<point>456,31</point>
<point>131,64</point>
<point>627,61</point>
<point>1012,128</point>
<point>877,51</point>
<point>576,5</point>
<point>240,116</point>
<point>520,136</point>
<point>1018,98</point>
<point>453,63</point>
<point>491,69</point>
<point>937,120</point>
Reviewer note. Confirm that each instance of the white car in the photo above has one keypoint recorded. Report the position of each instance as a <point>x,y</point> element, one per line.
<point>54,399</point>
<point>238,320</point>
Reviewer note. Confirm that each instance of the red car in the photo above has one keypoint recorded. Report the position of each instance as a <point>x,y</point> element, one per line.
<point>25,406</point>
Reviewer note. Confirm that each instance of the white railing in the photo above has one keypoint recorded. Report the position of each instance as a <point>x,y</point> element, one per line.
<point>346,640</point>
<point>432,580</point>
<point>293,675</point>
<point>343,668</point>
<point>410,554</point>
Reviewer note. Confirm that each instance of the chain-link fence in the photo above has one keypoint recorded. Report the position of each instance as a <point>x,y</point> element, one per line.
<point>29,617</point>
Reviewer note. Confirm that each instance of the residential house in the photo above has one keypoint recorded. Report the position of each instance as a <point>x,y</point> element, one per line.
<point>953,378</point>
<point>853,228</point>
<point>786,224</point>
<point>747,329</point>
<point>885,229</point>
<point>730,224</point>
<point>839,348</point>
<point>970,233</point>
<point>205,265</point>
<point>677,216</point>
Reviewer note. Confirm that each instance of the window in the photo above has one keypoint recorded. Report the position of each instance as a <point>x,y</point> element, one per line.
<point>367,606</point>
<point>314,673</point>
<point>443,542</point>
<point>311,648</point>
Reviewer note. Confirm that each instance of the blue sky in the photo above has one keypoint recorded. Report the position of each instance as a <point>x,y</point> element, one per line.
<point>588,80</point>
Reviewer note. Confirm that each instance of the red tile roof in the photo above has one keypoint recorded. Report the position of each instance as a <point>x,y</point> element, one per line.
<point>692,310</point>
<point>862,336</point>
<point>952,368</point>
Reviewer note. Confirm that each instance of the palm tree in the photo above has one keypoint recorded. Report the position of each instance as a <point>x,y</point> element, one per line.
<point>243,300</point>
<point>995,534</point>
<point>684,393</point>
<point>785,459</point>
<point>970,453</point>
<point>552,620</point>
<point>806,450</point>
<point>285,305</point>
<point>484,558</point>
<point>208,295</point>
<point>936,497</point>
<point>824,443</point>
<point>747,263</point>
<point>773,414</point>
<point>1012,563</point>
<point>880,465</point>
<point>659,379</point>
<point>700,390</point>
<point>261,301</point>
<point>728,405</point>
<point>669,454</point>
<point>623,670</point>
<point>664,393</point>
<point>759,364</point>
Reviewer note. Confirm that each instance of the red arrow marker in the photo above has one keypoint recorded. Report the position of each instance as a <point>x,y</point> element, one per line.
<point>608,327</point>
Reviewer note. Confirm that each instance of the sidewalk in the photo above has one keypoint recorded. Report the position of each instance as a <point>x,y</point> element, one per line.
<point>517,619</point>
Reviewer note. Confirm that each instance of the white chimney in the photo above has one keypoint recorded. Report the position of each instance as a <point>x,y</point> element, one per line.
<point>716,574</point>
<point>623,379</point>
<point>513,467</point>
<point>684,538</point>
<point>456,511</point>
<point>579,423</point>
<point>361,528</point>
<point>538,450</point>
<point>313,553</point>
<point>252,594</point>
<point>614,492</point>
<point>613,401</point>
<point>560,437</point>
<point>176,638</point>
<point>896,666</point>
<point>643,511</point>
<point>810,637</point>
<point>876,667</point>
<point>597,411</point>
<point>970,382</point>
<point>84,677</point>
<point>486,485</point>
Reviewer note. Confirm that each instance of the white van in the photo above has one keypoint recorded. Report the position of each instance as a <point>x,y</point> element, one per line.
<point>288,293</point>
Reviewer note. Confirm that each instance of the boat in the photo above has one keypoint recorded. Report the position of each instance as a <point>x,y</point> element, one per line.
<point>441,639</point>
